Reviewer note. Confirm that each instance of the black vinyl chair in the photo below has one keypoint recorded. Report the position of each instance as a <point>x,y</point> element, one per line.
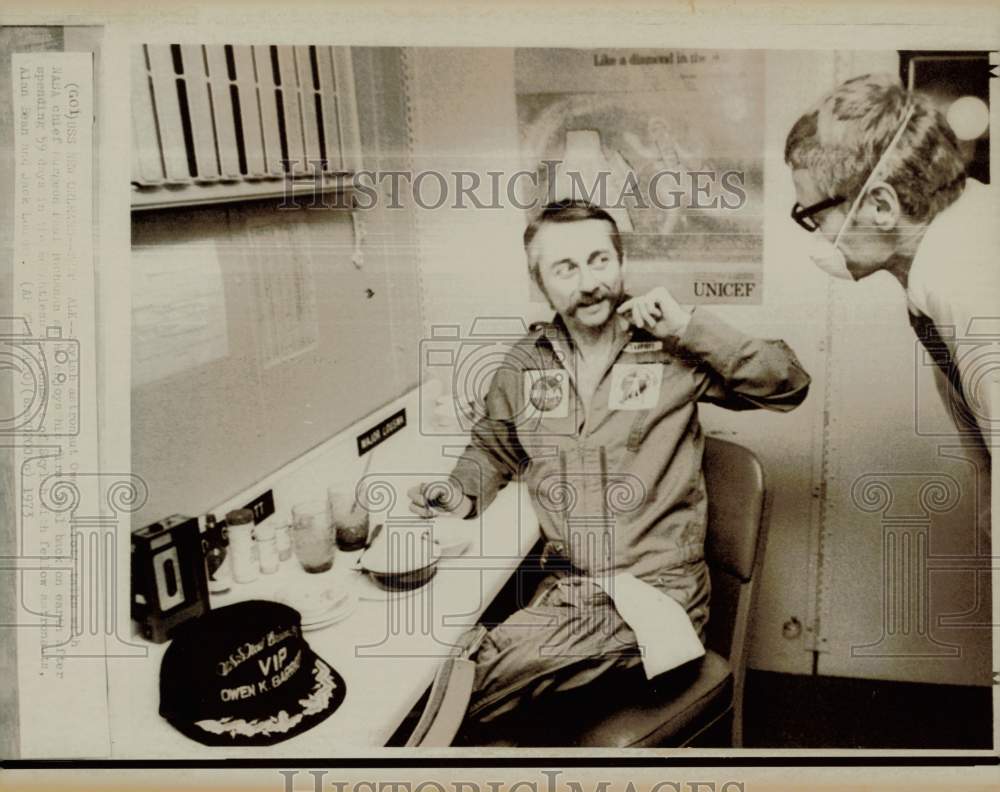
<point>698,701</point>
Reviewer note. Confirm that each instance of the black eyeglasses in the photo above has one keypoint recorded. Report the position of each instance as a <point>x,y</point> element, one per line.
<point>803,215</point>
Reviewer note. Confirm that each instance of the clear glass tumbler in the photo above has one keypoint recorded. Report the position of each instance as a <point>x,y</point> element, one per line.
<point>348,518</point>
<point>313,536</point>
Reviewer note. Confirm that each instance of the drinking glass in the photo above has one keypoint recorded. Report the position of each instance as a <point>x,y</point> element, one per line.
<point>313,536</point>
<point>348,517</point>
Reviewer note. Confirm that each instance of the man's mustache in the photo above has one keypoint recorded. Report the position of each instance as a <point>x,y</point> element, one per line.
<point>598,297</point>
<point>586,302</point>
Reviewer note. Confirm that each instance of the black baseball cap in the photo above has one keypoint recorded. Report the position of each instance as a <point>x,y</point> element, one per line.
<point>244,675</point>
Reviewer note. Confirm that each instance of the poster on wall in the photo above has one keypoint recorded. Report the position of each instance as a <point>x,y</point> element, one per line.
<point>670,142</point>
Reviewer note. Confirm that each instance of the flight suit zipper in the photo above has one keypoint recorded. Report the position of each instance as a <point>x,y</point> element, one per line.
<point>582,429</point>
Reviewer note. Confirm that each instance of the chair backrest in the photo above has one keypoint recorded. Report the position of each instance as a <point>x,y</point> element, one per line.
<point>734,480</point>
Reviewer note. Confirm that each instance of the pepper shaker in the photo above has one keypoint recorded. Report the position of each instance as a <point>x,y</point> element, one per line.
<point>218,564</point>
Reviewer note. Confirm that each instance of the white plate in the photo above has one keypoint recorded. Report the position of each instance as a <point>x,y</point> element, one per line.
<point>341,614</point>
<point>413,549</point>
<point>346,607</point>
<point>451,548</point>
<point>452,536</point>
<point>316,604</point>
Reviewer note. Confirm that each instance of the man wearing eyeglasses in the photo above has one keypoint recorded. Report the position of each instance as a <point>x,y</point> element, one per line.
<point>881,185</point>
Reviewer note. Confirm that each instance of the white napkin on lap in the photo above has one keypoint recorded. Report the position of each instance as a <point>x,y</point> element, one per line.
<point>662,627</point>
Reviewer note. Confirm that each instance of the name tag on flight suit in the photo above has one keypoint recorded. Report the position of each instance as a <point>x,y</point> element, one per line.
<point>643,346</point>
<point>546,392</point>
<point>635,386</point>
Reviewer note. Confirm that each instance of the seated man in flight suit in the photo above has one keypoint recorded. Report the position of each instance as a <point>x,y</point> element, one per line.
<point>597,413</point>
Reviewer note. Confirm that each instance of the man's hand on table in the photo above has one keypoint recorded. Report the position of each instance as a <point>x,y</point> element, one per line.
<point>439,498</point>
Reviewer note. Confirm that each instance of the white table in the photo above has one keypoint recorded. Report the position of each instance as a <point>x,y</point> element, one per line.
<point>385,670</point>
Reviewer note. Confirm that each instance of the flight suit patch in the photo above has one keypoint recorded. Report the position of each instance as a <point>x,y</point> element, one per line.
<point>635,386</point>
<point>546,392</point>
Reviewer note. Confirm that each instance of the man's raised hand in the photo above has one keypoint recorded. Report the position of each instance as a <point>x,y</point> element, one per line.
<point>656,311</point>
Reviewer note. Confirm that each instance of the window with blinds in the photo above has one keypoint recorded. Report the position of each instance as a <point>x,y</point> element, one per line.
<point>229,122</point>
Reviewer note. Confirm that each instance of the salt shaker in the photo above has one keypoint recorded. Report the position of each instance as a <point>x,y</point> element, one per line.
<point>267,547</point>
<point>241,545</point>
<point>284,541</point>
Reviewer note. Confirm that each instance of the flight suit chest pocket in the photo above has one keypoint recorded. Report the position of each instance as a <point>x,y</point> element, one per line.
<point>547,409</point>
<point>637,385</point>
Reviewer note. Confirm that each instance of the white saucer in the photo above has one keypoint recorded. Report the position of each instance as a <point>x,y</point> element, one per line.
<point>414,549</point>
<point>345,610</point>
<point>318,605</point>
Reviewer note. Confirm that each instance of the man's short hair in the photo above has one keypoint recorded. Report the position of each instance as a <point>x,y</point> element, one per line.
<point>840,141</point>
<point>568,211</point>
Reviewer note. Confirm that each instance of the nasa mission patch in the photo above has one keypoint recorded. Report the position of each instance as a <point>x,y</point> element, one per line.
<point>546,391</point>
<point>635,386</point>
